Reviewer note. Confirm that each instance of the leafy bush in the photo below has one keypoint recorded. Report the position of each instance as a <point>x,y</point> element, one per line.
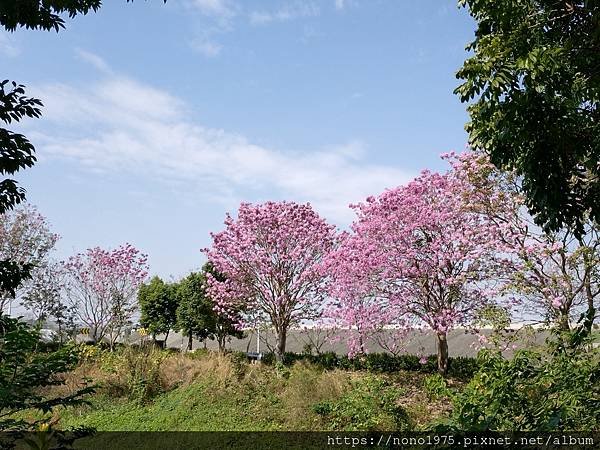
<point>436,386</point>
<point>24,371</point>
<point>371,404</point>
<point>460,367</point>
<point>88,352</point>
<point>136,372</point>
<point>49,347</point>
<point>282,370</point>
<point>532,391</point>
<point>143,373</point>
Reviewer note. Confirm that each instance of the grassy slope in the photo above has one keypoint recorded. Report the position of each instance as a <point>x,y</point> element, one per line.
<point>214,393</point>
<point>187,408</point>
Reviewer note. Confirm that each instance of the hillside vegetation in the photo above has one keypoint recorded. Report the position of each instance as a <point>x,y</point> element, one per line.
<point>154,390</point>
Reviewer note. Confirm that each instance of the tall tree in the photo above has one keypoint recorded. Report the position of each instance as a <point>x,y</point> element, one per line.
<point>224,326</point>
<point>43,298</point>
<point>26,239</point>
<point>102,287</point>
<point>16,153</point>
<point>555,273</point>
<point>195,315</point>
<point>23,370</point>
<point>270,257</point>
<point>416,251</point>
<point>536,84</point>
<point>158,303</point>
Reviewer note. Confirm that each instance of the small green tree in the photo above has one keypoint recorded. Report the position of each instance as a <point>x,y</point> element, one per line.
<point>158,304</point>
<point>196,315</point>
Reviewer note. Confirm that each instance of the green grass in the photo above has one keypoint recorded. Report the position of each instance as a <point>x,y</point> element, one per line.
<point>209,392</point>
<point>188,408</point>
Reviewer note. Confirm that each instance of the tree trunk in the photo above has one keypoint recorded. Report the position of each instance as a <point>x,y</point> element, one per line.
<point>166,337</point>
<point>280,350</point>
<point>60,336</point>
<point>563,321</point>
<point>249,342</point>
<point>442,353</point>
<point>189,347</point>
<point>221,341</point>
<point>591,311</point>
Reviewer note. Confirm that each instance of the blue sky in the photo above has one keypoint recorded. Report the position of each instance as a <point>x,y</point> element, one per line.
<point>159,119</point>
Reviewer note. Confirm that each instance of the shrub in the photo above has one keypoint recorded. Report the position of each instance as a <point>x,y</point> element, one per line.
<point>370,405</point>
<point>436,386</point>
<point>49,347</point>
<point>136,372</point>
<point>25,372</point>
<point>531,392</point>
<point>282,370</point>
<point>460,367</point>
<point>88,352</point>
<point>305,387</point>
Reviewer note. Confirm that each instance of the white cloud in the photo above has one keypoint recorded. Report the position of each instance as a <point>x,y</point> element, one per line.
<point>94,60</point>
<point>206,47</point>
<point>122,125</point>
<point>342,5</point>
<point>219,19</point>
<point>8,47</point>
<point>215,8</point>
<point>290,11</point>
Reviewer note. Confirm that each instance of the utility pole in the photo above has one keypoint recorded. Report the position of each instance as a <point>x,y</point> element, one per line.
<point>258,340</point>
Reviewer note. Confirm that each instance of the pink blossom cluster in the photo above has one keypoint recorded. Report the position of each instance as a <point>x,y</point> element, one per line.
<point>550,274</point>
<point>26,238</point>
<point>430,253</point>
<point>25,235</point>
<point>102,286</point>
<point>415,252</point>
<point>106,271</point>
<point>270,256</point>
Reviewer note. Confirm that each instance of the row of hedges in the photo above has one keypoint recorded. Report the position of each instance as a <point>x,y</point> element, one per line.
<point>459,367</point>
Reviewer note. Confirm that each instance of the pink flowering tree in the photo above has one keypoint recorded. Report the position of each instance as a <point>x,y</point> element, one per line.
<point>417,253</point>
<point>270,256</point>
<point>560,275</point>
<point>356,304</point>
<point>102,287</point>
<point>26,239</point>
<point>555,274</point>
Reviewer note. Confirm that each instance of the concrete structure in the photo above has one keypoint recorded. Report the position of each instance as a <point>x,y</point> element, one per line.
<point>460,342</point>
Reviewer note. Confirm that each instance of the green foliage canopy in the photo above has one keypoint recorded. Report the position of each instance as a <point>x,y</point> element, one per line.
<point>196,314</point>
<point>158,304</point>
<point>535,77</point>
<point>44,14</point>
